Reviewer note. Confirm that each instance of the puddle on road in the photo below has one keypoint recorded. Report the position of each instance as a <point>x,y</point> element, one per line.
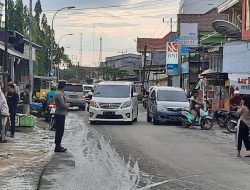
<point>101,167</point>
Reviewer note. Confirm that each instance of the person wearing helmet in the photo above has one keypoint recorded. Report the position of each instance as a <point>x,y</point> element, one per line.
<point>50,97</point>
<point>235,100</point>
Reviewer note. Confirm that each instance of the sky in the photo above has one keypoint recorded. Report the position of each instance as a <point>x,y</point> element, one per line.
<point>118,26</point>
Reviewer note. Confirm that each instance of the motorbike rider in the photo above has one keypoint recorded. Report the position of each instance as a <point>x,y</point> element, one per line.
<point>235,101</point>
<point>50,97</point>
<point>195,104</point>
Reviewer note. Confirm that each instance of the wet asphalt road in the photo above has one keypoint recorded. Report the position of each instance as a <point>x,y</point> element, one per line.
<point>169,157</point>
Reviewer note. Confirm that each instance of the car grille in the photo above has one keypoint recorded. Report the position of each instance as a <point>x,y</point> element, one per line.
<point>109,117</point>
<point>109,105</point>
<point>175,109</point>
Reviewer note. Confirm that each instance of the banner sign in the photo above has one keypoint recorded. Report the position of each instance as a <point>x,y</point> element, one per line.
<point>241,82</point>
<point>172,58</point>
<point>189,34</point>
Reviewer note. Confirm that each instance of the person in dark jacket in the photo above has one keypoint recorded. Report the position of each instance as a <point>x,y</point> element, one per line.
<point>26,100</point>
<point>60,115</point>
<point>12,100</point>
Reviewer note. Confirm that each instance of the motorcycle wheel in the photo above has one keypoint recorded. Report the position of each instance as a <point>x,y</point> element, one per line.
<point>185,124</point>
<point>231,126</point>
<point>221,121</point>
<point>52,123</point>
<point>207,124</point>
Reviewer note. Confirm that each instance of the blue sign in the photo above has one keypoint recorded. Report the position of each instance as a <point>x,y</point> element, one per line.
<point>172,69</point>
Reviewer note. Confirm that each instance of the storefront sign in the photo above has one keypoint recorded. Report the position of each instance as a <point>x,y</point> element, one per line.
<point>240,81</point>
<point>172,58</point>
<point>189,34</point>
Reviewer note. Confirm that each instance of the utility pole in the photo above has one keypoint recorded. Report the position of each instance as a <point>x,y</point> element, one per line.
<point>93,44</point>
<point>144,68</point>
<point>30,48</point>
<point>100,55</point>
<point>81,62</point>
<point>5,64</point>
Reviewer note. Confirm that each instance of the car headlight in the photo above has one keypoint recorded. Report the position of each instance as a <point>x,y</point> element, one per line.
<point>126,104</point>
<point>94,104</point>
<point>160,108</point>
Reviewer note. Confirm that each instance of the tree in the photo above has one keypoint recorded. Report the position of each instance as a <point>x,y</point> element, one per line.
<point>19,17</point>
<point>11,17</point>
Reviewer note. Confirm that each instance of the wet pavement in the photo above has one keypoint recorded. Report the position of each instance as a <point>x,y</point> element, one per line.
<point>23,158</point>
<point>144,156</point>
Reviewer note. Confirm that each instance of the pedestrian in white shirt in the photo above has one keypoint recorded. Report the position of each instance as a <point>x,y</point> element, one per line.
<point>4,115</point>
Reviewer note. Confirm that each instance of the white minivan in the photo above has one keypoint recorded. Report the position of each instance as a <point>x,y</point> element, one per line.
<point>114,101</point>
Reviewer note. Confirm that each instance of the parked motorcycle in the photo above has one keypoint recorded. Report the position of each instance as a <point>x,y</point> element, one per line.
<point>204,120</point>
<point>231,121</point>
<point>52,118</point>
<point>220,117</point>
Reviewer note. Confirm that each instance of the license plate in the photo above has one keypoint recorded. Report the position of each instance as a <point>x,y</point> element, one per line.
<point>108,113</point>
<point>73,96</point>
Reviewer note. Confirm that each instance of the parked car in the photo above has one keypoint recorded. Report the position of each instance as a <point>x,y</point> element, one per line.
<point>166,104</point>
<point>74,94</point>
<point>114,101</point>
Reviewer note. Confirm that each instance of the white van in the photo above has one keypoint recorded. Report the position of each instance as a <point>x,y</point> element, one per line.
<point>114,101</point>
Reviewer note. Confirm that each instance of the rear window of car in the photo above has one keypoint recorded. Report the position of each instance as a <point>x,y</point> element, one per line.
<point>73,88</point>
<point>88,88</point>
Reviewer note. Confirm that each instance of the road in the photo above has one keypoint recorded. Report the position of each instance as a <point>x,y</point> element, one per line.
<point>144,156</point>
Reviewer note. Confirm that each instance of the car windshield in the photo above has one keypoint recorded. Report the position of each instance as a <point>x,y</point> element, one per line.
<point>172,96</point>
<point>112,91</point>
<point>73,88</point>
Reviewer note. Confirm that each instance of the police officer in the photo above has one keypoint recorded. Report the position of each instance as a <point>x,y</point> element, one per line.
<point>60,115</point>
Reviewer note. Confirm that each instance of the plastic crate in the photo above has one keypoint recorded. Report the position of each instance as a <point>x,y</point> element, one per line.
<point>27,121</point>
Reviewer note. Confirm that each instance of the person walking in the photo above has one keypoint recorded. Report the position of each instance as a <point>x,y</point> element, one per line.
<point>26,100</point>
<point>243,125</point>
<point>4,109</point>
<point>60,115</point>
<point>12,100</point>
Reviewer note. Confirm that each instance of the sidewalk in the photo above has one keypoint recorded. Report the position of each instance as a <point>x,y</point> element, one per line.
<point>23,158</point>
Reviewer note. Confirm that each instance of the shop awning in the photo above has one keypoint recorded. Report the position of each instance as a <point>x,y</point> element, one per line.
<point>240,81</point>
<point>212,74</point>
<point>226,5</point>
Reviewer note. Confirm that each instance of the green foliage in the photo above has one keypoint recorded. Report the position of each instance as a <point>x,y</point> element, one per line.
<point>18,20</point>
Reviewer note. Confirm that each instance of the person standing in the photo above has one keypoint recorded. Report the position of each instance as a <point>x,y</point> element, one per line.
<point>60,115</point>
<point>12,100</point>
<point>26,100</point>
<point>243,125</point>
<point>17,88</point>
<point>4,109</point>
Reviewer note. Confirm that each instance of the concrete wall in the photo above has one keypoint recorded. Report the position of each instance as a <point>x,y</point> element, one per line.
<point>236,56</point>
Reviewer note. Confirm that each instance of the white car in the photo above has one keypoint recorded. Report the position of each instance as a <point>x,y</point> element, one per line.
<point>114,101</point>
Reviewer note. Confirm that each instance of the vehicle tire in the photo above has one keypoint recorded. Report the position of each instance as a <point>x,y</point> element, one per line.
<point>52,123</point>
<point>207,124</point>
<point>92,122</point>
<point>231,126</point>
<point>185,123</point>
<point>155,121</point>
<point>149,119</point>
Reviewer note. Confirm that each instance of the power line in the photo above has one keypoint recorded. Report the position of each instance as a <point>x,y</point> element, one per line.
<point>129,5</point>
